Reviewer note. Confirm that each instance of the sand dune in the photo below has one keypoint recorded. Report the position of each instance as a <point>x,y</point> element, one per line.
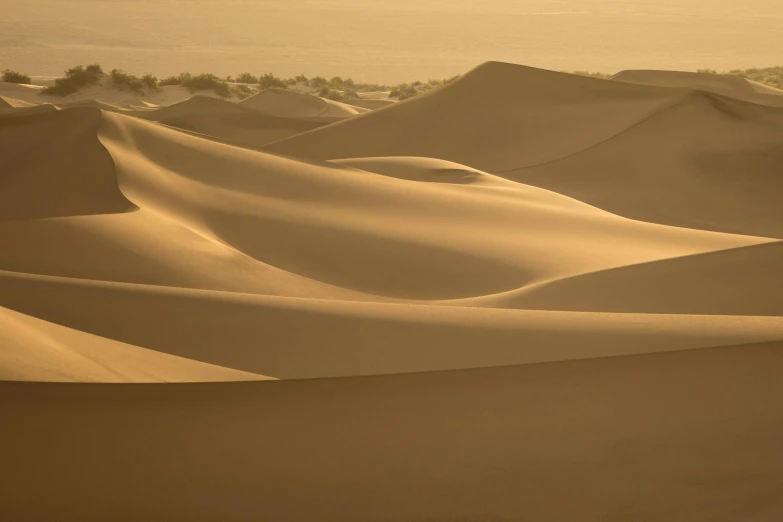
<point>54,165</point>
<point>35,350</point>
<point>524,296</point>
<point>715,166</point>
<point>686,436</point>
<point>496,117</point>
<point>298,338</point>
<point>583,137</point>
<point>227,121</point>
<point>734,86</point>
<point>289,104</point>
<point>729,282</point>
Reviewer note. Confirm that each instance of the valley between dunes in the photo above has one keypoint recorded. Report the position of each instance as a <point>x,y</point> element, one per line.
<point>523,296</point>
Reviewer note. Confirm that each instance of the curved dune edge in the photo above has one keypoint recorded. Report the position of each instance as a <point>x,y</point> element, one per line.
<point>36,350</point>
<point>690,435</point>
<point>305,338</point>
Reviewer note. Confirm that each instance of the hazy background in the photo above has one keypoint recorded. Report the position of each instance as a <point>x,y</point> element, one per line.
<point>386,40</point>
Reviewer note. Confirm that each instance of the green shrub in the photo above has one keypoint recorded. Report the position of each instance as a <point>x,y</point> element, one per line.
<point>176,80</point>
<point>121,80</point>
<point>600,75</point>
<point>269,81</point>
<point>300,78</point>
<point>15,77</point>
<point>246,77</point>
<point>206,82</point>
<point>331,94</point>
<point>75,79</point>
<point>242,91</point>
<point>318,82</point>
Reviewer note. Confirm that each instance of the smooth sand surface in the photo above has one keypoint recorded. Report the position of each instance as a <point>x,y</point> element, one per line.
<point>524,296</point>
<point>689,436</point>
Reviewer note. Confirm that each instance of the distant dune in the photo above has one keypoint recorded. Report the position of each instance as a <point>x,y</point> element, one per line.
<point>524,295</point>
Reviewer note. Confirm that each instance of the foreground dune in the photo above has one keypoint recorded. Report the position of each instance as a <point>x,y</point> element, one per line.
<point>523,296</point>
<point>690,436</point>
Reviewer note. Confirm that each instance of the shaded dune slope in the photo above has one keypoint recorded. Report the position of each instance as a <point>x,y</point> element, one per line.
<point>665,435</point>
<point>715,166</point>
<point>53,165</point>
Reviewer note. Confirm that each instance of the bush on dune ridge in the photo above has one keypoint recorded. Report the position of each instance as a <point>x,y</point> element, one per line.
<point>122,80</point>
<point>201,82</point>
<point>772,76</point>
<point>75,79</point>
<point>10,76</point>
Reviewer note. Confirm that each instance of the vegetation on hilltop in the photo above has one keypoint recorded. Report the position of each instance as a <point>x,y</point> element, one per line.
<point>201,82</point>
<point>125,81</point>
<point>15,77</point>
<point>772,76</point>
<point>336,88</point>
<point>75,79</point>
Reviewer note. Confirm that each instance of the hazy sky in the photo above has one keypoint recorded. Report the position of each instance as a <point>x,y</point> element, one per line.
<point>382,40</point>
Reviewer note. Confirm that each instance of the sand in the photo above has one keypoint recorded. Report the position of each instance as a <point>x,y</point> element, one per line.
<point>524,296</point>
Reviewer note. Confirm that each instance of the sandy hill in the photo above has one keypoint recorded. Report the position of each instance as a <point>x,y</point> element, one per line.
<point>497,117</point>
<point>730,85</point>
<point>227,121</point>
<point>549,129</point>
<point>289,104</point>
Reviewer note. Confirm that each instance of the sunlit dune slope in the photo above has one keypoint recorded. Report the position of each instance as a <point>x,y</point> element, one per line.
<point>689,436</point>
<point>36,350</point>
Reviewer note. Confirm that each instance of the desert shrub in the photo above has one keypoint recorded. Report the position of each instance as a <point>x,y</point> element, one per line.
<point>76,78</point>
<point>600,75</point>
<point>15,77</point>
<point>179,79</point>
<point>331,94</point>
<point>300,78</point>
<point>269,81</point>
<point>772,76</point>
<point>122,80</point>
<point>242,91</point>
<point>404,91</point>
<point>206,82</point>
<point>246,77</point>
<point>318,82</point>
